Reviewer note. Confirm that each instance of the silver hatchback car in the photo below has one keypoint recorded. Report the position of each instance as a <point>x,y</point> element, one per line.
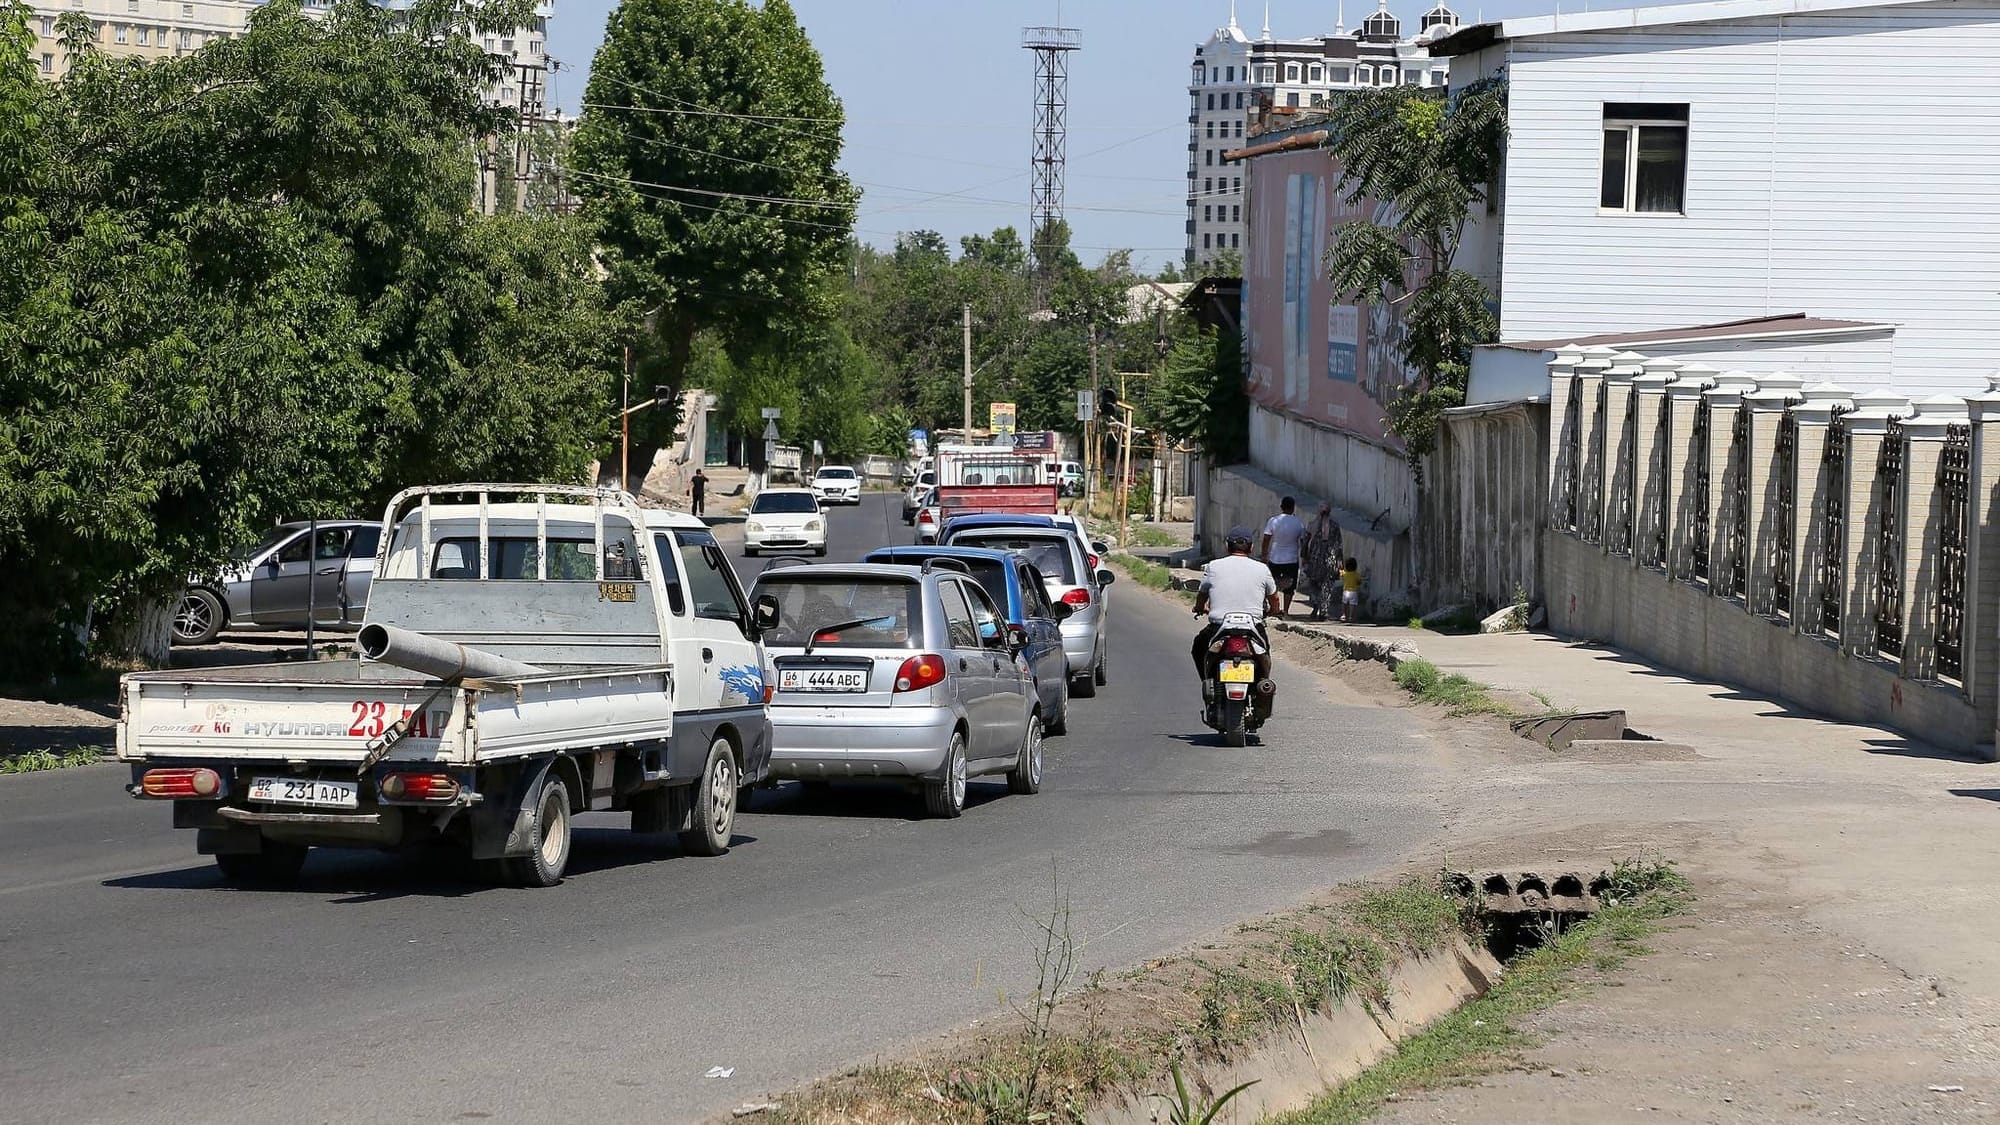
<point>898,672</point>
<point>1066,566</point>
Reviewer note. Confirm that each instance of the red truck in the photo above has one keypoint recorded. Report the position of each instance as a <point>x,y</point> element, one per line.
<point>980,479</point>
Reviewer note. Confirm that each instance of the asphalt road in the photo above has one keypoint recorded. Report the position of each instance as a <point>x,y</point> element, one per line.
<point>138,988</point>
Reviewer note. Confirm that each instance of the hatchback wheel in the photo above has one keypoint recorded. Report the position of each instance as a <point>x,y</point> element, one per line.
<point>944,795</point>
<point>1026,776</point>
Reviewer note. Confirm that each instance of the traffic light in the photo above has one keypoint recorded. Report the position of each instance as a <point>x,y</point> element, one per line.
<point>1108,401</point>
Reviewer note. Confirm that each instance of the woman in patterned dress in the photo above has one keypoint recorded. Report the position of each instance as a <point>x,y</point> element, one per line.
<point>1322,555</point>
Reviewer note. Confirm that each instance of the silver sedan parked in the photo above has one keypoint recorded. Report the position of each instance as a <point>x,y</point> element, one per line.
<point>898,672</point>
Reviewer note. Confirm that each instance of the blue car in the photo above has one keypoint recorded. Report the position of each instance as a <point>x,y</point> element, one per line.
<point>1020,592</point>
<point>1072,573</point>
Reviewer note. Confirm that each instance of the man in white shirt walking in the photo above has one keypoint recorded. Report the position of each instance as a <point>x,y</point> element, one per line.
<point>1284,540</point>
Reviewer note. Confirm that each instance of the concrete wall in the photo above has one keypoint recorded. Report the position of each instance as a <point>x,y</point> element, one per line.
<point>1600,597</point>
<point>1247,496</point>
<point>1479,541</point>
<point>1349,471</point>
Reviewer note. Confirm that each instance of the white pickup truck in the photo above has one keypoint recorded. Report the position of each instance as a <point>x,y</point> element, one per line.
<point>529,652</point>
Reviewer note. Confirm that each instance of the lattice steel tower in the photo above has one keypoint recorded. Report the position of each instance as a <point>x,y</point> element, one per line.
<point>1051,46</point>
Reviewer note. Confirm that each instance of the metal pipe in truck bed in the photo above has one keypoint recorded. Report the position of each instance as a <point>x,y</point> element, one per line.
<point>447,660</point>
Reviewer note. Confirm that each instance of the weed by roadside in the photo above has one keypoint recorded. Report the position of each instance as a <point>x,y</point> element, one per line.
<point>36,761</point>
<point>1485,1035</point>
<point>1148,574</point>
<point>1430,684</point>
<point>1146,535</point>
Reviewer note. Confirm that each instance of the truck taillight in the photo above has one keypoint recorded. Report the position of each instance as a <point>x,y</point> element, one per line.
<point>920,672</point>
<point>181,783</point>
<point>1078,597</point>
<point>419,786</point>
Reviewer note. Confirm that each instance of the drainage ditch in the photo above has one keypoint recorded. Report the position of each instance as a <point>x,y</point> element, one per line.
<point>1520,911</point>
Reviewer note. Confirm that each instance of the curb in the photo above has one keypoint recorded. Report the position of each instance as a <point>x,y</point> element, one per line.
<point>1394,654</point>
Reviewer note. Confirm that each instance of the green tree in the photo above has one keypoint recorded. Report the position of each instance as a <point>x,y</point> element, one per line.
<point>1431,159</point>
<point>1198,396</point>
<point>707,154</point>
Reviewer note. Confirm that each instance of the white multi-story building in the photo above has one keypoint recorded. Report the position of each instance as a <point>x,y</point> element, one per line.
<point>1236,76</point>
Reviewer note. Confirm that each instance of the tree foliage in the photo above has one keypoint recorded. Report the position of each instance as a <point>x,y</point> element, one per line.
<point>248,284</point>
<point>1432,160</point>
<point>1199,397</point>
<point>707,153</point>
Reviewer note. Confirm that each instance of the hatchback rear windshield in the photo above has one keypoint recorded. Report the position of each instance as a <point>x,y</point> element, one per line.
<point>889,611</point>
<point>1049,552</point>
<point>784,502</point>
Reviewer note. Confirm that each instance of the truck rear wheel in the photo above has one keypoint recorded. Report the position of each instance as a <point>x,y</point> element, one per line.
<point>278,865</point>
<point>713,822</point>
<point>550,832</point>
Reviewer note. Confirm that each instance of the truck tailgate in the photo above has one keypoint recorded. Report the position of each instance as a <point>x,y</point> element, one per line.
<point>337,711</point>
<point>1014,499</point>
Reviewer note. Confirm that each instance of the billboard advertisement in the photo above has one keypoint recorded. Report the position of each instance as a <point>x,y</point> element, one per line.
<point>1309,355</point>
<point>1000,418</point>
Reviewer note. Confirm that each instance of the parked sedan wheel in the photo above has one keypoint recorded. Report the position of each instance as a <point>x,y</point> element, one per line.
<point>1026,776</point>
<point>714,819</point>
<point>549,829</point>
<point>944,796</point>
<point>198,620</point>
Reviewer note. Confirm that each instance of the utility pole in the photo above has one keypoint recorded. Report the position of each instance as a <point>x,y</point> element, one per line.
<point>1125,471</point>
<point>625,426</point>
<point>967,310</point>
<point>1090,465</point>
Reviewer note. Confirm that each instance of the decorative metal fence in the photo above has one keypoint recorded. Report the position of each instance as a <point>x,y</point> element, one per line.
<point>1833,530</point>
<point>1593,512</point>
<point>1954,513</point>
<point>1572,455</point>
<point>1625,481</point>
<point>1889,546</point>
<point>1698,539</point>
<point>1661,469</point>
<point>1784,548</point>
<point>1736,539</point>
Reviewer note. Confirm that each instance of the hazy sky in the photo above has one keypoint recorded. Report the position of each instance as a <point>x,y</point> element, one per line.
<point>939,98</point>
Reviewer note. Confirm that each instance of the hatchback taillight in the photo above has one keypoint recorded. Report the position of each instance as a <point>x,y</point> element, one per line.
<point>920,672</point>
<point>1078,597</point>
<point>1235,646</point>
<point>181,783</point>
<point>1093,562</point>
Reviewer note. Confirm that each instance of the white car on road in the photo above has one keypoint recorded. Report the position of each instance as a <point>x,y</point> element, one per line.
<point>836,484</point>
<point>785,519</point>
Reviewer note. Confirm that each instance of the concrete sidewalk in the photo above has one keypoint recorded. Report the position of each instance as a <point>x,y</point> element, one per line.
<point>1892,840</point>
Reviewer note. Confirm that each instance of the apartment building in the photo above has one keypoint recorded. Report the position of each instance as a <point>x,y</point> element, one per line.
<point>1235,76</point>
<point>149,29</point>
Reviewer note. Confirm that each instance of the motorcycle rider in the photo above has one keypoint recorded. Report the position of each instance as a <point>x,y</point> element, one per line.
<point>1235,583</point>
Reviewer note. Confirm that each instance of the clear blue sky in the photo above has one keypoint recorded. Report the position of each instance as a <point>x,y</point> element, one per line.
<point>939,100</point>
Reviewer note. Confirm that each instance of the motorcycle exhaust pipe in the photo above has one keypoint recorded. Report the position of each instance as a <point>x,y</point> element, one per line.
<point>1267,687</point>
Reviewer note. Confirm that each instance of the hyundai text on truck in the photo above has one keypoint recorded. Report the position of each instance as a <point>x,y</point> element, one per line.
<point>529,652</point>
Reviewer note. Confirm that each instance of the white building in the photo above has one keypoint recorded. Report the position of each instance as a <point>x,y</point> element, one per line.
<point>1234,76</point>
<point>1676,167</point>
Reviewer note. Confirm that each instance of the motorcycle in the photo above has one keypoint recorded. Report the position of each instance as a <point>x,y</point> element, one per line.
<point>1236,685</point>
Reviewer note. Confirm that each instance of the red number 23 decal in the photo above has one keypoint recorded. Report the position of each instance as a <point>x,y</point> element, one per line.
<point>367,719</point>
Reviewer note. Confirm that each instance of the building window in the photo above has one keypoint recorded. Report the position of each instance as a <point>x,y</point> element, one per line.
<point>118,34</point>
<point>1206,239</point>
<point>1645,158</point>
<point>1367,75</point>
<point>186,39</point>
<point>1236,242</point>
<point>131,5</point>
<point>1229,73</point>
<point>1211,101</point>
<point>1413,77</point>
<point>1208,158</point>
<point>1208,129</point>
<point>1314,73</point>
<point>187,11</point>
<point>1239,128</point>
<point>1208,214</point>
<point>1239,99</point>
<point>48,63</point>
<point>1270,74</point>
<point>1339,75</point>
<point>1291,72</point>
<point>143,34</point>
<point>1199,74</point>
<point>506,46</point>
<point>1319,99</point>
<point>1292,99</point>
<point>48,26</point>
<point>1238,185</point>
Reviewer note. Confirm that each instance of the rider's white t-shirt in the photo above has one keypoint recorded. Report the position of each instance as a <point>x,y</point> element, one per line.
<point>1288,533</point>
<point>1237,584</point>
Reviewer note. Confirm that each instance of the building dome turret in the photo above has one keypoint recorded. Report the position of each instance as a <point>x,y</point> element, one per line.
<point>1438,17</point>
<point>1382,27</point>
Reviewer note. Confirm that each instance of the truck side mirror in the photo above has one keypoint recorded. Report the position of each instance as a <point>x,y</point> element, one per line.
<point>764,613</point>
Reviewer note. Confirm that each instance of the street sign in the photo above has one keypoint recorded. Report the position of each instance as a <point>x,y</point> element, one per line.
<point>1035,441</point>
<point>1086,406</point>
<point>770,431</point>
<point>1000,418</point>
<point>817,451</point>
<point>771,413</point>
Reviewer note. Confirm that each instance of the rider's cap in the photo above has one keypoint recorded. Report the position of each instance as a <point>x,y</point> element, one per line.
<point>1238,534</point>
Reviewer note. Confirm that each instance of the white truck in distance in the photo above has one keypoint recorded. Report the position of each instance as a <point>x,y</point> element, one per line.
<point>529,652</point>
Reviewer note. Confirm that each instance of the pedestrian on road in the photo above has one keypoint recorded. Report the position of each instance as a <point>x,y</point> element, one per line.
<point>698,488</point>
<point>1350,590</point>
<point>1284,539</point>
<point>1323,562</point>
